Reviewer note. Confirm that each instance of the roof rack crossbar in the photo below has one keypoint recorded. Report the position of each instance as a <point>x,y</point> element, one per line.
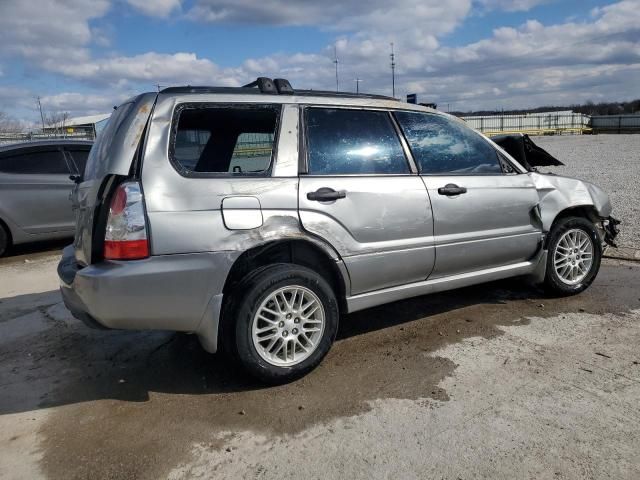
<point>264,84</point>
<point>283,86</point>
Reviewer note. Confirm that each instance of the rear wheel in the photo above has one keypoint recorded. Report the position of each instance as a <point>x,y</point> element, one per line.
<point>286,321</point>
<point>575,252</point>
<point>5,240</point>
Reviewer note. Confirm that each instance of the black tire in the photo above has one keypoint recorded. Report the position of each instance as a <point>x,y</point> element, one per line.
<point>5,240</point>
<point>250,293</point>
<point>553,283</point>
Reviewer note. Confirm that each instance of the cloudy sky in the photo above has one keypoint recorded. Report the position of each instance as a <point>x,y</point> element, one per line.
<point>84,56</point>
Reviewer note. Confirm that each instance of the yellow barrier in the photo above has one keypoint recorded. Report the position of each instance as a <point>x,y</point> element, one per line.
<point>248,152</point>
<point>544,131</point>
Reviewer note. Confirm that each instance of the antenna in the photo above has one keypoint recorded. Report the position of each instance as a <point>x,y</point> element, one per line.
<point>335,56</point>
<point>393,72</point>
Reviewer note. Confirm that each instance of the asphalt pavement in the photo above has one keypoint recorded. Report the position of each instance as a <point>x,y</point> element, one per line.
<point>493,381</point>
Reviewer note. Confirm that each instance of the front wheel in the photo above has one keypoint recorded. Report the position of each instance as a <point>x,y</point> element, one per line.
<point>575,252</point>
<point>286,322</point>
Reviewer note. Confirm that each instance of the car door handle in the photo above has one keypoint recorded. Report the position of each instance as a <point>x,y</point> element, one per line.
<point>451,189</point>
<point>325,194</point>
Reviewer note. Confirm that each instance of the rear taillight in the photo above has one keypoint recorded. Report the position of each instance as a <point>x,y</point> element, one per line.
<point>126,233</point>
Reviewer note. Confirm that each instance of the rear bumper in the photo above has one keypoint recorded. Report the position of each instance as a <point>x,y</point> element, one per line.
<point>168,292</point>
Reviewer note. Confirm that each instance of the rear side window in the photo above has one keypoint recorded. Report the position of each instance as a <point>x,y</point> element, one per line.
<point>217,139</point>
<point>444,146</point>
<point>38,162</point>
<point>351,142</point>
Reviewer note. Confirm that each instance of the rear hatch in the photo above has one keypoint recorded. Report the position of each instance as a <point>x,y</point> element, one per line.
<point>111,156</point>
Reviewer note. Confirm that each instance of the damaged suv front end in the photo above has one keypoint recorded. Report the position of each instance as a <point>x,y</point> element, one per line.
<point>559,194</point>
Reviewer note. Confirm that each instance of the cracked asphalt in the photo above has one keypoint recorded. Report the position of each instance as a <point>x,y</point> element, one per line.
<point>493,381</point>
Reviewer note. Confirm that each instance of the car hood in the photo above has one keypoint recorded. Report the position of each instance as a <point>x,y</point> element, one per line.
<point>525,151</point>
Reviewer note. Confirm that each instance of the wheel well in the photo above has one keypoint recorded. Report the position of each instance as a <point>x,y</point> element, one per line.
<point>6,228</point>
<point>585,211</point>
<point>299,252</point>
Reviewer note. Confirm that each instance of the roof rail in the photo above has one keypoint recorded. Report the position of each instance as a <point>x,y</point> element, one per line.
<point>272,87</point>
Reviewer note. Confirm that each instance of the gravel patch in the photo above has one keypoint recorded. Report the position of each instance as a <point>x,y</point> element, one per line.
<point>611,162</point>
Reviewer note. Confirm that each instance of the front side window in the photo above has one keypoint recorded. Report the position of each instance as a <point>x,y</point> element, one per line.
<point>444,146</point>
<point>351,142</point>
<point>224,139</point>
<point>38,162</point>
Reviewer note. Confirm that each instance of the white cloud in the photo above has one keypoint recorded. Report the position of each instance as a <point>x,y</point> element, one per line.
<point>368,19</point>
<point>81,103</point>
<point>512,5</point>
<point>523,66</point>
<point>148,69</point>
<point>155,8</point>
<point>55,29</point>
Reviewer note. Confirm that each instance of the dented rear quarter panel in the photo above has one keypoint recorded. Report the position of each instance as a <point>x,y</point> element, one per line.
<point>112,154</point>
<point>186,214</point>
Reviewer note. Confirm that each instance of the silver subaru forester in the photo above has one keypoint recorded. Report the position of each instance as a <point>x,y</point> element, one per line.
<point>255,216</point>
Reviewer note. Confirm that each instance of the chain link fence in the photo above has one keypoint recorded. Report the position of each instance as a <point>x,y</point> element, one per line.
<point>615,123</point>
<point>532,124</point>
<point>9,138</point>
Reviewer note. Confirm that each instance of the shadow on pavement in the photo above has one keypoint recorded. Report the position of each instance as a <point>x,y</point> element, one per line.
<point>35,248</point>
<point>136,403</point>
<point>54,360</point>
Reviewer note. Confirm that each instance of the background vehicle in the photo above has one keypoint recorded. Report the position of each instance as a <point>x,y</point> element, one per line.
<point>255,216</point>
<point>35,186</point>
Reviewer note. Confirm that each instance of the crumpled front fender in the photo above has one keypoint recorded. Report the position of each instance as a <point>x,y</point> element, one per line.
<point>559,193</point>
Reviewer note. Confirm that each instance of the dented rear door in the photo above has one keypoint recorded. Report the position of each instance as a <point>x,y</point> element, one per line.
<point>359,194</point>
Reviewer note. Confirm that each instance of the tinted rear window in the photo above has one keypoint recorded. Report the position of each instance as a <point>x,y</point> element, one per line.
<point>224,139</point>
<point>38,162</point>
<point>103,141</point>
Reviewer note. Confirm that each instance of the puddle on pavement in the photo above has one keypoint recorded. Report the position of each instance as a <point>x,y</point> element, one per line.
<point>133,404</point>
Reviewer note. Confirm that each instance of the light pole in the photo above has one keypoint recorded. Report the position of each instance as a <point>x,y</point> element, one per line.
<point>358,80</point>
<point>41,114</point>
<point>335,61</point>
<point>393,72</point>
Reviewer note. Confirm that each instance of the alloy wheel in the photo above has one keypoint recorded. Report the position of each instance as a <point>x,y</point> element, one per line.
<point>288,326</point>
<point>573,256</point>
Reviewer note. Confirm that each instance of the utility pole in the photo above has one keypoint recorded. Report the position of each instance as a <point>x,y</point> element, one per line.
<point>358,80</point>
<point>335,61</point>
<point>393,72</point>
<point>41,114</point>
